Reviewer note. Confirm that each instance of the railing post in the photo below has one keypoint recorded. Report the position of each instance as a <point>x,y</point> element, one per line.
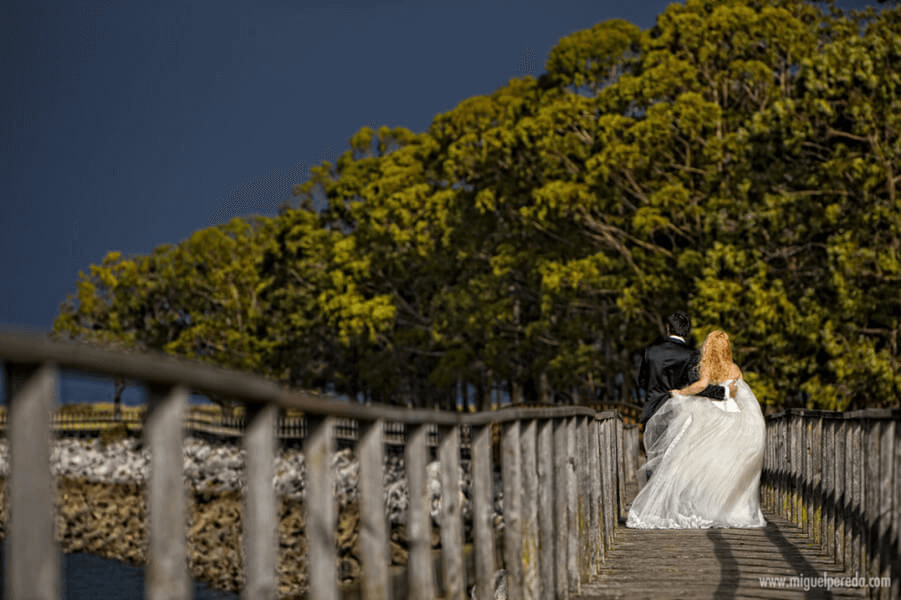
<point>840,494</point>
<point>595,502</point>
<point>857,506</point>
<point>583,480</point>
<point>260,509</point>
<point>374,546</point>
<point>829,494</point>
<point>562,507</point>
<point>783,508</point>
<point>321,518</point>
<point>849,495</point>
<point>872,481</point>
<point>609,479</point>
<point>796,469</point>
<point>512,477</point>
<point>815,478</point>
<point>547,560</point>
<point>894,545</point>
<point>620,470</point>
<point>419,530</point>
<point>889,509</point>
<point>482,510</point>
<point>838,518</point>
<point>572,509</point>
<point>529,505</point>
<point>167,568</point>
<point>803,475</point>
<point>451,521</point>
<point>32,556</point>
<point>767,478</point>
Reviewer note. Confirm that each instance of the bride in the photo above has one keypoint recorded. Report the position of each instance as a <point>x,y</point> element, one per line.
<point>704,456</point>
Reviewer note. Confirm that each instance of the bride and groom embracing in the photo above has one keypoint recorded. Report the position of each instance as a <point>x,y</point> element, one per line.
<point>704,440</point>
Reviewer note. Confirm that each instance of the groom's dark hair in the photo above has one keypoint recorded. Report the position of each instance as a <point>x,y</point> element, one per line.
<point>679,324</point>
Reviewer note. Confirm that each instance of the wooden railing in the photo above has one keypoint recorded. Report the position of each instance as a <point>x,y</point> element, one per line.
<point>838,476</point>
<point>564,472</point>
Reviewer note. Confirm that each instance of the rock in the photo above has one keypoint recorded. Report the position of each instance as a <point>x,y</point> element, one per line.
<point>102,505</point>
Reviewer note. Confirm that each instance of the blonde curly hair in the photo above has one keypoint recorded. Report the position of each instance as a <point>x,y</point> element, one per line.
<point>716,357</point>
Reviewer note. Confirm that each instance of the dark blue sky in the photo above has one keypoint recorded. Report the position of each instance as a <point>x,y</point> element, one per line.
<point>131,124</point>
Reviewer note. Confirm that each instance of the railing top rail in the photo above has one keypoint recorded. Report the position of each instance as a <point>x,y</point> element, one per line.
<point>163,370</point>
<point>867,413</point>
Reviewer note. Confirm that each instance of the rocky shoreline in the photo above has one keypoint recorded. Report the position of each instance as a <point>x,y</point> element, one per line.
<point>101,506</point>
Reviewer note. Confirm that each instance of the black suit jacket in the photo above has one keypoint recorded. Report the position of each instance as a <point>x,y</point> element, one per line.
<point>669,365</point>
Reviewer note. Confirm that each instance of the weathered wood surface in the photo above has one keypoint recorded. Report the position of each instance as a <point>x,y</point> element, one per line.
<point>450,523</point>
<point>167,572</point>
<point>33,571</point>
<point>419,532</point>
<point>260,512</point>
<point>712,563</point>
<point>482,511</point>
<point>373,519</point>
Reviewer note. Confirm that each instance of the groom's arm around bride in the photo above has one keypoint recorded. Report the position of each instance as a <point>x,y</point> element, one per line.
<point>670,364</point>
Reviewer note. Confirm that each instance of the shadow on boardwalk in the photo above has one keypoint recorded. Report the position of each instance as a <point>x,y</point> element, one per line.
<point>714,563</point>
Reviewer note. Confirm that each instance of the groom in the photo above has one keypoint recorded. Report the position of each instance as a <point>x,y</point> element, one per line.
<point>670,365</point>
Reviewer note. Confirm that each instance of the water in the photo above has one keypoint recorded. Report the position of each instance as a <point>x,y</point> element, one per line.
<point>91,577</point>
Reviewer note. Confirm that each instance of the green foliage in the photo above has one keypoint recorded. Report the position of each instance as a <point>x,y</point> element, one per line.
<point>740,159</point>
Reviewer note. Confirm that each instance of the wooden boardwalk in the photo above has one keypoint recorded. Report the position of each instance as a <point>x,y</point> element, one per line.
<point>714,563</point>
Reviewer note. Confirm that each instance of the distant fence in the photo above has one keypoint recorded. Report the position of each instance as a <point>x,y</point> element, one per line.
<point>838,476</point>
<point>564,475</point>
<point>214,424</point>
<point>231,427</point>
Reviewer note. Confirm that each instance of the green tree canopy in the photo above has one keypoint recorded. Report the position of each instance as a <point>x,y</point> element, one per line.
<point>739,159</point>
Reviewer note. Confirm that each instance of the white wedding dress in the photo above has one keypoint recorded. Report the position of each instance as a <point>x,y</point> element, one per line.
<point>705,458</point>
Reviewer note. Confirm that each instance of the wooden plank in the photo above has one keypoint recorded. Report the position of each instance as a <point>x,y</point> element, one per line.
<point>848,496</point>
<point>804,483</point>
<point>712,563</point>
<point>482,509</point>
<point>547,561</point>
<point>321,514</point>
<point>862,432</point>
<point>798,448</point>
<point>816,480</point>
<point>838,485</point>
<point>574,541</point>
<point>583,480</point>
<point>260,510</point>
<point>561,510</point>
<point>374,548</point>
<point>529,497</point>
<point>886,508</point>
<point>620,471</point>
<point>856,493</point>
<point>895,542</point>
<point>872,479</point>
<point>167,570</point>
<point>451,520</point>
<point>596,517</point>
<point>419,528</point>
<point>782,466</point>
<point>608,497</point>
<point>790,472</point>
<point>884,529</point>
<point>32,556</point>
<point>512,477</point>
<point>828,462</point>
<point>770,467</point>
